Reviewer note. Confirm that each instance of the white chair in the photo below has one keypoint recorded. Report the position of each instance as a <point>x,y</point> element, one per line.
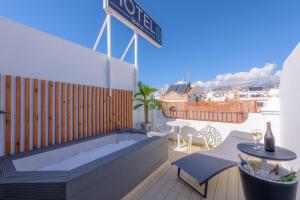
<point>161,125</point>
<point>187,132</point>
<point>209,135</point>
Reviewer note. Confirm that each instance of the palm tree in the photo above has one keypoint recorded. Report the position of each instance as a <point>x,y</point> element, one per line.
<point>142,99</point>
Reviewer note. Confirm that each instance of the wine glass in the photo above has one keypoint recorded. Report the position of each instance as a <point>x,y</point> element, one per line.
<point>257,136</point>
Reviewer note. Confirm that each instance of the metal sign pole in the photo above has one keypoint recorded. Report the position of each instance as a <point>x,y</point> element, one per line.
<point>108,52</point>
<point>135,61</point>
<point>127,48</point>
<point>145,26</point>
<point>100,34</point>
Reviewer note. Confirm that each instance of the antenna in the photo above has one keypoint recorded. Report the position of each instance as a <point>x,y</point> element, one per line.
<point>188,75</point>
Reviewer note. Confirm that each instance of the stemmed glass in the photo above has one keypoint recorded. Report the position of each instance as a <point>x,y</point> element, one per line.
<point>257,136</point>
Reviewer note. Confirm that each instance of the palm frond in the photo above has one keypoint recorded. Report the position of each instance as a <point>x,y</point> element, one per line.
<point>137,94</point>
<point>142,100</point>
<point>154,103</point>
<point>137,106</point>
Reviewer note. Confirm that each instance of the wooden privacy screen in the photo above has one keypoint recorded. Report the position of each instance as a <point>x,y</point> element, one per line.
<point>42,113</point>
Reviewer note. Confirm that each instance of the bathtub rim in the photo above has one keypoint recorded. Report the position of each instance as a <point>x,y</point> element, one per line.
<point>10,175</point>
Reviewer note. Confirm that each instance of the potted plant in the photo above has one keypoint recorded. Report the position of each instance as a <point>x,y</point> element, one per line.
<point>142,99</point>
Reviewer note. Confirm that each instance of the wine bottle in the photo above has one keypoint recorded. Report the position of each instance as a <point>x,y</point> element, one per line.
<point>287,178</point>
<point>269,139</point>
<point>243,162</point>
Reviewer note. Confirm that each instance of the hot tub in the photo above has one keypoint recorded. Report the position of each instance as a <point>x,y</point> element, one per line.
<point>107,166</point>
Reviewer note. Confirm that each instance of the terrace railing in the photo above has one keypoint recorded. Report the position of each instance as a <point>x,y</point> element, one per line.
<point>40,113</point>
<point>225,117</point>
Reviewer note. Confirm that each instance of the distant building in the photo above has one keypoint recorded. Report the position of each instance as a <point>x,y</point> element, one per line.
<point>220,95</point>
<point>258,94</point>
<point>182,92</point>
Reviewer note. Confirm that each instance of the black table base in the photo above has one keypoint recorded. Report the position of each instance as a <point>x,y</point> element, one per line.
<point>259,189</point>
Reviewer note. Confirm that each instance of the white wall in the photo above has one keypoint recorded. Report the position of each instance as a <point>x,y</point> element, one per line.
<point>290,103</point>
<point>27,52</point>
<point>254,121</point>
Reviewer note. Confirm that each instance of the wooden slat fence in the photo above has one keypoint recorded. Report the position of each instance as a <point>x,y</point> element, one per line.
<point>42,113</point>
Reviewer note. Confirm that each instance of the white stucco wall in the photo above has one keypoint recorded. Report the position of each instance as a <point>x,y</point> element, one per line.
<point>254,121</point>
<point>28,52</point>
<point>290,103</point>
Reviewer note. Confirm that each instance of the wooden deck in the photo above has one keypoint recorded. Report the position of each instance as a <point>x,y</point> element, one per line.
<point>163,184</point>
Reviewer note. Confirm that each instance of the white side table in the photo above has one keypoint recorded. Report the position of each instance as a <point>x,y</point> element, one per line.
<point>177,125</point>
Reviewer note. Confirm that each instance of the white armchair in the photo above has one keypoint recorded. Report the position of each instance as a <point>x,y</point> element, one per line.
<point>209,135</point>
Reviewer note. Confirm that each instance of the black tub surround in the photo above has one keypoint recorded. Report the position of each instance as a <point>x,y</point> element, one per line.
<point>109,177</point>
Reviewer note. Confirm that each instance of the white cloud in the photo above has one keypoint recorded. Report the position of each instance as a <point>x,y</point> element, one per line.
<point>181,82</point>
<point>163,89</point>
<point>255,75</point>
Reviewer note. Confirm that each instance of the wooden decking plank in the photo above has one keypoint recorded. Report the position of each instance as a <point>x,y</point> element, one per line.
<point>240,188</point>
<point>221,188</point>
<point>232,186</point>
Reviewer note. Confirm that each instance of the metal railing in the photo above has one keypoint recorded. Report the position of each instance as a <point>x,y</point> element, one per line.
<point>214,116</point>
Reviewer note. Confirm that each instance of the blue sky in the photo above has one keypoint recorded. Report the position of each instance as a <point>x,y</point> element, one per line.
<point>208,37</point>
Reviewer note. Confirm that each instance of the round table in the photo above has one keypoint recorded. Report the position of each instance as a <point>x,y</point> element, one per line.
<point>177,125</point>
<point>280,154</point>
<point>261,188</point>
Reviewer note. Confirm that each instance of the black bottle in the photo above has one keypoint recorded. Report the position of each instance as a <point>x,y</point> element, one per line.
<point>269,139</point>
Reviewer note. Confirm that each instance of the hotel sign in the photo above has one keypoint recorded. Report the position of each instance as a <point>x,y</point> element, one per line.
<point>134,16</point>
